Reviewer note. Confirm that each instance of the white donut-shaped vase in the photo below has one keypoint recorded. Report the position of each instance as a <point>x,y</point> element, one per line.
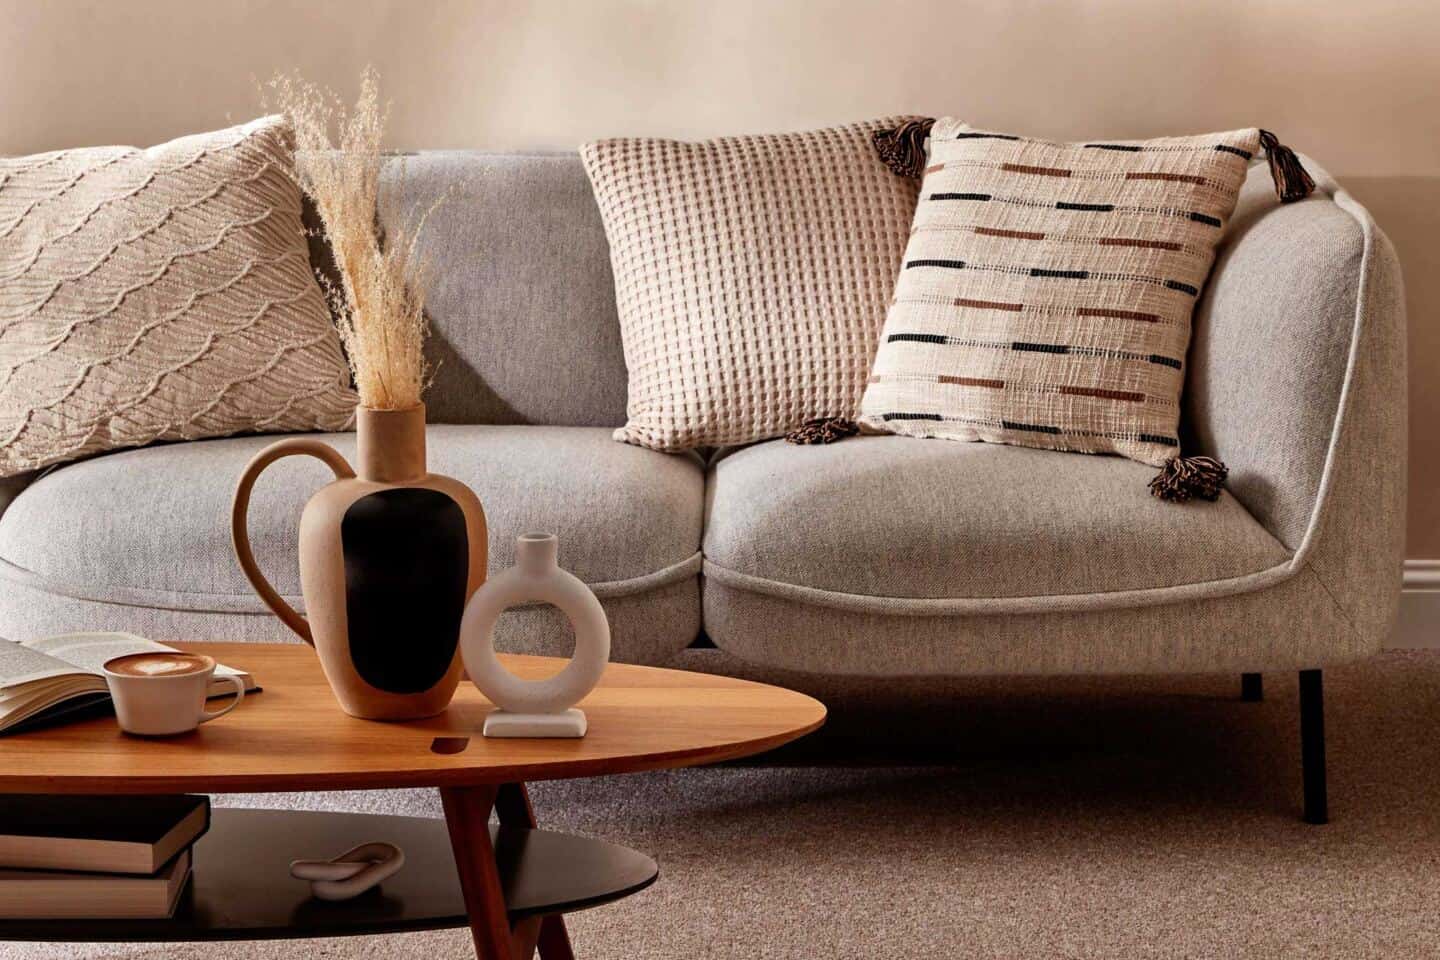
<point>535,578</point>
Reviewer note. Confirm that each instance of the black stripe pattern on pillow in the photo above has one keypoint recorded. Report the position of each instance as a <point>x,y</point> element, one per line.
<point>1047,289</point>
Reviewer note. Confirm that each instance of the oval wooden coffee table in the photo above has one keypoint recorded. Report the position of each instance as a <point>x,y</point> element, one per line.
<point>294,737</point>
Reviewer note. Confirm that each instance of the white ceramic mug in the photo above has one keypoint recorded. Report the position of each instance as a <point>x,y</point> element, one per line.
<point>160,694</point>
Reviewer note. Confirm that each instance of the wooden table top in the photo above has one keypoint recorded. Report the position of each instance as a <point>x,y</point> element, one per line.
<point>294,736</point>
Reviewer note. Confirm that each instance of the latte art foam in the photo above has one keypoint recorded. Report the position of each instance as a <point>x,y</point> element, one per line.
<point>156,665</point>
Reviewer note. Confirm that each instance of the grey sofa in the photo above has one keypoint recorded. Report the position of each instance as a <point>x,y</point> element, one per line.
<point>880,557</point>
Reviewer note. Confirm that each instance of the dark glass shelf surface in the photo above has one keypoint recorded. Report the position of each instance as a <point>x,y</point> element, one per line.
<point>242,888</point>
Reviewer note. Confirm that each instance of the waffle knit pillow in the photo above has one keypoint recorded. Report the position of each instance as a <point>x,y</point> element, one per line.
<point>160,294</point>
<point>1046,293</point>
<point>752,276</point>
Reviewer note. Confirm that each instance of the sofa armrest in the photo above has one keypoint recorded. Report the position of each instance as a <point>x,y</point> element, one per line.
<point>1297,381</point>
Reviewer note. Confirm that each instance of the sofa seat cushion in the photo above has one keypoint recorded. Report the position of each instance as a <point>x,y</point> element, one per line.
<point>151,527</point>
<point>933,527</point>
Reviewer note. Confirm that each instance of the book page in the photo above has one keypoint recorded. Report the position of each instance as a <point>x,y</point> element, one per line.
<point>20,664</point>
<point>89,651</point>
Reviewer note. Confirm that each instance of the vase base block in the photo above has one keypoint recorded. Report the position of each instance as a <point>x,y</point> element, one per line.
<point>502,723</point>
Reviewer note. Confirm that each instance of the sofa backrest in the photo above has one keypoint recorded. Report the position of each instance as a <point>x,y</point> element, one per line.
<point>525,328</point>
<point>520,296</point>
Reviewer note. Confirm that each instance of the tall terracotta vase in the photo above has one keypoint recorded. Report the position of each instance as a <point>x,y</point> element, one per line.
<point>388,560</point>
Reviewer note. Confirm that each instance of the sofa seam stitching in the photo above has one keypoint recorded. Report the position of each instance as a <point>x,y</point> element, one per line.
<point>1334,600</point>
<point>880,603</point>
<point>605,589</point>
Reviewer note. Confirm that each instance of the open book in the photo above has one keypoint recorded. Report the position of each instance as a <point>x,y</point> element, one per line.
<point>54,678</point>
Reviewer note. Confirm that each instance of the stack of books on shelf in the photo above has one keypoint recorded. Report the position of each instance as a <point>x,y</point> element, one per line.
<point>96,858</point>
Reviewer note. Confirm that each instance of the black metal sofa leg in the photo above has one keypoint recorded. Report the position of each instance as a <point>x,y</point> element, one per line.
<point>1252,687</point>
<point>1312,746</point>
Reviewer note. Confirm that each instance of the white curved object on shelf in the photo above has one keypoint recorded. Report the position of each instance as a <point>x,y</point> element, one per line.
<point>535,708</point>
<point>351,873</point>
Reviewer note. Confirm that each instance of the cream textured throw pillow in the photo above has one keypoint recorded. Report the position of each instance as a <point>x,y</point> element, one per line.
<point>1047,289</point>
<point>752,276</point>
<point>160,294</point>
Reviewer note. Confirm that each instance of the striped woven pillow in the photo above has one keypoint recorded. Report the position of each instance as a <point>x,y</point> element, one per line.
<point>1047,288</point>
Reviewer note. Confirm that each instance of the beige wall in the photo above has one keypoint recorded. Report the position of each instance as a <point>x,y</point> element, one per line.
<point>1355,84</point>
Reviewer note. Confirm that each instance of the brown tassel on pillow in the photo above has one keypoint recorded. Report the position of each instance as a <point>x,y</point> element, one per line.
<point>1184,477</point>
<point>902,148</point>
<point>824,430</point>
<point>1291,181</point>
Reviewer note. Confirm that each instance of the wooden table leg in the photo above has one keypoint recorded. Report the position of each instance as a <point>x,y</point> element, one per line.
<point>512,804</point>
<point>525,937</point>
<point>467,814</point>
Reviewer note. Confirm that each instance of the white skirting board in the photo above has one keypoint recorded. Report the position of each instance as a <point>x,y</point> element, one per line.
<point>1419,623</point>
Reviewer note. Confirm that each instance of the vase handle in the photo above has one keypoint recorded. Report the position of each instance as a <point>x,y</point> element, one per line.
<point>240,536</point>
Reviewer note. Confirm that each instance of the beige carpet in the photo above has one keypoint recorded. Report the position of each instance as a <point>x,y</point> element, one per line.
<point>1124,818</point>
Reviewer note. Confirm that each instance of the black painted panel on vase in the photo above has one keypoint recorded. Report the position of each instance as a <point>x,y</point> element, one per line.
<point>406,564</point>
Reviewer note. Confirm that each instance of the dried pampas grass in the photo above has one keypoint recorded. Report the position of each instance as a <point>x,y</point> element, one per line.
<point>380,299</point>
